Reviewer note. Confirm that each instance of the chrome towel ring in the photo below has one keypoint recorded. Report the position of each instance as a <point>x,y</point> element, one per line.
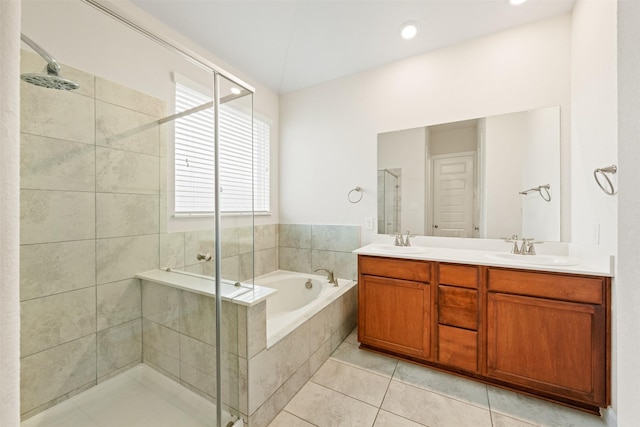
<point>602,172</point>
<point>546,196</point>
<point>354,198</point>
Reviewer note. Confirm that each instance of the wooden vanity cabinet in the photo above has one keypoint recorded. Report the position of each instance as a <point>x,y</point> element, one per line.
<point>548,332</point>
<point>394,300</point>
<point>542,333</point>
<point>458,316</point>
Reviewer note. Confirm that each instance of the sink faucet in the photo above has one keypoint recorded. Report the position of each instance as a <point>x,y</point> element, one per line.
<point>330,277</point>
<point>400,241</point>
<point>528,248</point>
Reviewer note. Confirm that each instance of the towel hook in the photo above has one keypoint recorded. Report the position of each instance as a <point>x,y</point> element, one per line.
<point>353,199</point>
<point>609,188</point>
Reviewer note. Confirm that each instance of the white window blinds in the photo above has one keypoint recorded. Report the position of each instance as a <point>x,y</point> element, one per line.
<point>244,161</point>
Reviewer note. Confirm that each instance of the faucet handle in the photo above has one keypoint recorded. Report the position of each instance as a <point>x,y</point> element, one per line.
<point>529,249</point>
<point>407,242</point>
<point>398,240</point>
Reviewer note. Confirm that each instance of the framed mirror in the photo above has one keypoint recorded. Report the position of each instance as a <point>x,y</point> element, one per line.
<point>489,177</point>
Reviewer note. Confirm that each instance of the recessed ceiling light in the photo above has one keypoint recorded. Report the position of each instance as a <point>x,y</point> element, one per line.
<point>235,91</point>
<point>409,30</point>
<point>516,2</point>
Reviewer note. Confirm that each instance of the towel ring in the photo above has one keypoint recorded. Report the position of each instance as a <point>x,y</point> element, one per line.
<point>353,199</point>
<point>539,189</point>
<point>609,188</point>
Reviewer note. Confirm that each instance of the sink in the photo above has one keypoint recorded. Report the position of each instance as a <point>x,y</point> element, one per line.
<point>537,259</point>
<point>401,249</point>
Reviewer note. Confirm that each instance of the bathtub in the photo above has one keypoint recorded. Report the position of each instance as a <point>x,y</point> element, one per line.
<point>294,303</point>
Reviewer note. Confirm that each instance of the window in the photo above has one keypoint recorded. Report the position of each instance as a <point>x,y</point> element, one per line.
<point>244,161</point>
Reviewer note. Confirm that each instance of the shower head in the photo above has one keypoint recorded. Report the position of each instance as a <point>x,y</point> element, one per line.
<point>52,79</point>
<point>49,81</point>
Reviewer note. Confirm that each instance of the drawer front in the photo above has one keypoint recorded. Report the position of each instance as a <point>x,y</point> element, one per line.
<point>546,285</point>
<point>417,271</point>
<point>458,275</point>
<point>458,307</point>
<point>458,348</point>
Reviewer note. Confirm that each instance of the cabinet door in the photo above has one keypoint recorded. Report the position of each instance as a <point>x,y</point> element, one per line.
<point>394,315</point>
<point>552,346</point>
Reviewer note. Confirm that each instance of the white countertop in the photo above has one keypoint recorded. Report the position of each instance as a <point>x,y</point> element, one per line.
<point>601,267</point>
<point>244,294</point>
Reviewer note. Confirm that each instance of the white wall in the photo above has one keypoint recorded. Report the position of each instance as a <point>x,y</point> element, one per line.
<point>594,131</point>
<point>626,289</point>
<point>9,214</point>
<point>328,132</point>
<point>79,35</point>
<point>593,121</point>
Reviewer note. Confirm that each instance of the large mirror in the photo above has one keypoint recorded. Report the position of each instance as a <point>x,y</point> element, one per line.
<point>489,177</point>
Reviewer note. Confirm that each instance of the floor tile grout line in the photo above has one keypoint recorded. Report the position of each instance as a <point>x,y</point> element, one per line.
<point>300,418</point>
<point>358,368</point>
<point>344,394</point>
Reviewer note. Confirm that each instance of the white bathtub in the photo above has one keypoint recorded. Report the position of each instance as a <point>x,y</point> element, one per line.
<point>293,304</point>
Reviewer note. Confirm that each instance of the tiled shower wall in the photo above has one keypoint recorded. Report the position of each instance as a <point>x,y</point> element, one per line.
<point>93,193</point>
<point>90,215</point>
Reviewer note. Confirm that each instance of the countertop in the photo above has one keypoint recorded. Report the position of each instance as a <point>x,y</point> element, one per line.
<point>483,257</point>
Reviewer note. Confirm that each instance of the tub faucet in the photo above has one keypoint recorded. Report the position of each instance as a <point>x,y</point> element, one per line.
<point>330,277</point>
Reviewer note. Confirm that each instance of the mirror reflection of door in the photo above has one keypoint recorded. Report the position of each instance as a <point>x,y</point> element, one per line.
<point>452,193</point>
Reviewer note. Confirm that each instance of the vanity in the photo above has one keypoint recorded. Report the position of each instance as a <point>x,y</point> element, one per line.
<point>543,330</point>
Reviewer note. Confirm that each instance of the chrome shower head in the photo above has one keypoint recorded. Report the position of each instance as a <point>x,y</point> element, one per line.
<point>50,80</point>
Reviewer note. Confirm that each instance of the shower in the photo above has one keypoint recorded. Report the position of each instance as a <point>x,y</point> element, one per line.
<point>52,79</point>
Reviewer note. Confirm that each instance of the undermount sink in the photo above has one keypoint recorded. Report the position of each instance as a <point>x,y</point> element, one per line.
<point>537,259</point>
<point>401,249</point>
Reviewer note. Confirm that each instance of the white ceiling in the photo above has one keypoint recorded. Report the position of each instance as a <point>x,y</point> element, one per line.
<point>291,44</point>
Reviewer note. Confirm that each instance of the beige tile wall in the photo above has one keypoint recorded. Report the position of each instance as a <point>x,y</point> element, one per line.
<point>179,340</point>
<point>90,214</point>
<point>93,194</point>
<point>304,248</point>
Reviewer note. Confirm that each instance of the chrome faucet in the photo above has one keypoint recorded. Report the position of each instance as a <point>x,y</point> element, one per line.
<point>330,277</point>
<point>400,241</point>
<point>528,248</point>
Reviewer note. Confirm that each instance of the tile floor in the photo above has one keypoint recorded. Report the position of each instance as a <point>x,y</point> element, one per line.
<point>352,388</point>
<point>359,388</point>
<point>140,397</point>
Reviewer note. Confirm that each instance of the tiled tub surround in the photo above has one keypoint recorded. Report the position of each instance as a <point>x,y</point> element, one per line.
<point>178,340</point>
<point>292,247</point>
<point>305,247</point>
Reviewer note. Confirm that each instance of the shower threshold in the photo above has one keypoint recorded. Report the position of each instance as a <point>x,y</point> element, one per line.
<point>140,397</point>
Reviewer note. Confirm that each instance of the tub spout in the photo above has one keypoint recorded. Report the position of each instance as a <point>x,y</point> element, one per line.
<point>330,277</point>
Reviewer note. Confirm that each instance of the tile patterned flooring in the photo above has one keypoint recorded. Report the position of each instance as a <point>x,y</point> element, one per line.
<point>359,388</point>
<point>352,388</point>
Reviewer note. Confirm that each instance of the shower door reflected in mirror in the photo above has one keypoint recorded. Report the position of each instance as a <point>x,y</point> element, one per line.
<point>389,201</point>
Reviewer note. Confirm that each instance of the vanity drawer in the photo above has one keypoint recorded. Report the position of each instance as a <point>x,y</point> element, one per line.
<point>417,271</point>
<point>458,307</point>
<point>547,285</point>
<point>458,275</point>
<point>458,348</point>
